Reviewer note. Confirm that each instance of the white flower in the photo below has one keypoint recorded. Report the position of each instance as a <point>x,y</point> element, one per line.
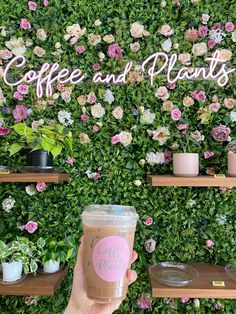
<point>125,138</point>
<point>176,45</point>
<point>137,182</point>
<point>166,30</point>
<point>222,219</point>
<point>233,37</point>
<point>117,113</point>
<point>136,30</point>
<point>30,189</point>
<point>16,45</point>
<point>155,158</point>
<point>199,49</point>
<point>3,32</point>
<point>57,45</point>
<point>1,122</point>
<point>147,117</point>
<point>74,31</point>
<point>135,46</point>
<point>109,38</point>
<point>39,51</point>
<point>166,45</point>
<point>2,98</point>
<point>8,203</point>
<point>94,39</point>
<point>163,4</point>
<point>97,23</point>
<point>161,134</point>
<point>64,117</point>
<point>216,35</point>
<point>142,162</point>
<point>101,56</point>
<point>233,116</point>
<point>41,34</point>
<point>29,42</point>
<point>108,96</point>
<point>97,111</point>
<point>191,203</point>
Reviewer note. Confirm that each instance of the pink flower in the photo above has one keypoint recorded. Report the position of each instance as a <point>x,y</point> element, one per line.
<point>191,34</point>
<point>70,160</point>
<point>208,154</point>
<point>91,98</point>
<point>167,156</point>
<point>194,94</point>
<point>23,89</point>
<point>45,3</point>
<point>148,221</point>
<point>184,299</point>
<point>205,18</point>
<point>96,66</point>
<point>202,31</point>
<point>144,303</point>
<point>175,114</point>
<point>229,26</point>
<point>4,131</point>
<point>209,243</point>
<point>216,26</point>
<point>95,128</point>
<point>215,98</point>
<point>20,113</point>
<point>25,24</point>
<point>201,96</point>
<point>84,117</point>
<point>218,306</point>
<point>115,139</point>
<point>18,96</point>
<point>171,85</point>
<point>182,126</point>
<point>114,51</point>
<point>214,106</point>
<point>80,49</point>
<point>73,40</point>
<point>211,171</point>
<point>31,226</point>
<point>171,303</point>
<point>221,133</point>
<point>40,186</point>
<point>32,5</point>
<point>211,43</point>
<point>21,227</point>
<point>5,54</point>
<point>96,176</point>
<point>51,101</point>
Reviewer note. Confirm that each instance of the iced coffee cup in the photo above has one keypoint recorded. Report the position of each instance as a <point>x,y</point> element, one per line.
<point>108,237</point>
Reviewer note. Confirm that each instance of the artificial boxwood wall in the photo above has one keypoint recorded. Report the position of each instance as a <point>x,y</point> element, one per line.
<point>183,218</point>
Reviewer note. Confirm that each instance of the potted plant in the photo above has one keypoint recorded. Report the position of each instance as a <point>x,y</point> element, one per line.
<point>231,147</point>
<point>18,255</point>
<point>56,253</point>
<point>186,162</point>
<point>43,142</point>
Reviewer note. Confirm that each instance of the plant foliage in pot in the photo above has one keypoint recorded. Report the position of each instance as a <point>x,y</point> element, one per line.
<point>20,254</point>
<point>43,142</point>
<point>186,162</point>
<point>56,253</point>
<point>231,147</point>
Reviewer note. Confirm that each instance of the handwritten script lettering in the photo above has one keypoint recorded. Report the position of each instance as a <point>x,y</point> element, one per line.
<point>156,64</point>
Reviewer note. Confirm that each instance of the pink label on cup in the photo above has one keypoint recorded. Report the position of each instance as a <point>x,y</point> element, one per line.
<point>111,258</point>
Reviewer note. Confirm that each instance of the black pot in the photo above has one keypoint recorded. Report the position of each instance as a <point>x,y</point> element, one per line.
<point>39,158</point>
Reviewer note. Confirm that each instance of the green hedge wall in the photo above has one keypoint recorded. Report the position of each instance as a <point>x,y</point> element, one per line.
<point>183,218</point>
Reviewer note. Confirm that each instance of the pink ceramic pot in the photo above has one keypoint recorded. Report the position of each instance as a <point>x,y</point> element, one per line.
<point>232,164</point>
<point>186,164</point>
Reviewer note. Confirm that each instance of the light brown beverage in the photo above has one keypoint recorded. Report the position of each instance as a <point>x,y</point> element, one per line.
<point>108,239</point>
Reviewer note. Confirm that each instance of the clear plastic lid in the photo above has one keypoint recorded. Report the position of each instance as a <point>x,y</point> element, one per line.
<point>109,213</point>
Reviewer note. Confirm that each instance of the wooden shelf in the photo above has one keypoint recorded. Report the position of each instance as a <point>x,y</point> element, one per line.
<point>34,177</point>
<point>35,285</point>
<point>201,287</point>
<point>207,181</point>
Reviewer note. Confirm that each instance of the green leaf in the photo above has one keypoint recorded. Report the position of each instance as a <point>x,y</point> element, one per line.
<point>33,266</point>
<point>41,243</point>
<point>15,148</point>
<point>56,150</point>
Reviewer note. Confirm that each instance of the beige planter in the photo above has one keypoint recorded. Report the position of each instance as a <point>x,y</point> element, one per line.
<point>232,164</point>
<point>186,164</point>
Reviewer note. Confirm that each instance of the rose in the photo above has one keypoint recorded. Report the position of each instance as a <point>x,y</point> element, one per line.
<point>117,113</point>
<point>40,186</point>
<point>214,106</point>
<point>147,117</point>
<point>91,98</point>
<point>41,34</point>
<point>18,96</point>
<point>84,138</point>
<point>233,116</point>
<point>162,93</point>
<point>148,221</point>
<point>171,85</point>
<point>94,39</point>
<point>70,160</point>
<point>95,128</point>
<point>175,114</point>
<point>161,135</point>
<point>205,18</point>
<point>137,182</point>
<point>229,26</point>
<point>221,133</point>
<point>114,51</point>
<point>23,89</point>
<point>97,111</point>
<point>188,101</point>
<point>96,66</point>
<point>32,5</point>
<point>97,23</point>
<point>25,24</point>
<point>211,43</point>
<point>167,105</point>
<point>4,131</point>
<point>229,103</point>
<point>20,113</point>
<point>209,243</point>
<point>191,34</point>
<point>208,154</point>
<point>184,58</point>
<point>109,38</point>
<point>115,139</point>
<point>201,96</point>
<point>199,49</point>
<point>166,30</point>
<point>197,136</point>
<point>31,226</point>
<point>184,299</point>
<point>233,36</point>
<point>40,52</point>
<point>80,49</point>
<point>202,31</point>
<point>74,31</point>
<point>81,100</point>
<point>125,138</point>
<point>136,30</point>
<point>225,54</point>
<point>135,46</point>
<point>182,126</point>
<point>84,117</point>
<point>166,45</point>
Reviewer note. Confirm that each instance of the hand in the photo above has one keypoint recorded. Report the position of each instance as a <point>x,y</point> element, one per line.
<point>79,303</point>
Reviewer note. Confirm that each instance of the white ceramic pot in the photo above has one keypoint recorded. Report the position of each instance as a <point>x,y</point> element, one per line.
<point>186,164</point>
<point>51,266</point>
<point>11,271</point>
<point>232,164</point>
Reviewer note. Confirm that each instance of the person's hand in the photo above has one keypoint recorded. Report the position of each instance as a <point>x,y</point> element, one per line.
<point>79,303</point>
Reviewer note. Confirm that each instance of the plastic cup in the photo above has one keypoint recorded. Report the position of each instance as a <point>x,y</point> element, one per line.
<point>108,237</point>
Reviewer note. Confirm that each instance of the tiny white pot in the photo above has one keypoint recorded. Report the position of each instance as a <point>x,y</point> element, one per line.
<point>186,164</point>
<point>51,266</point>
<point>232,164</point>
<point>11,271</point>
